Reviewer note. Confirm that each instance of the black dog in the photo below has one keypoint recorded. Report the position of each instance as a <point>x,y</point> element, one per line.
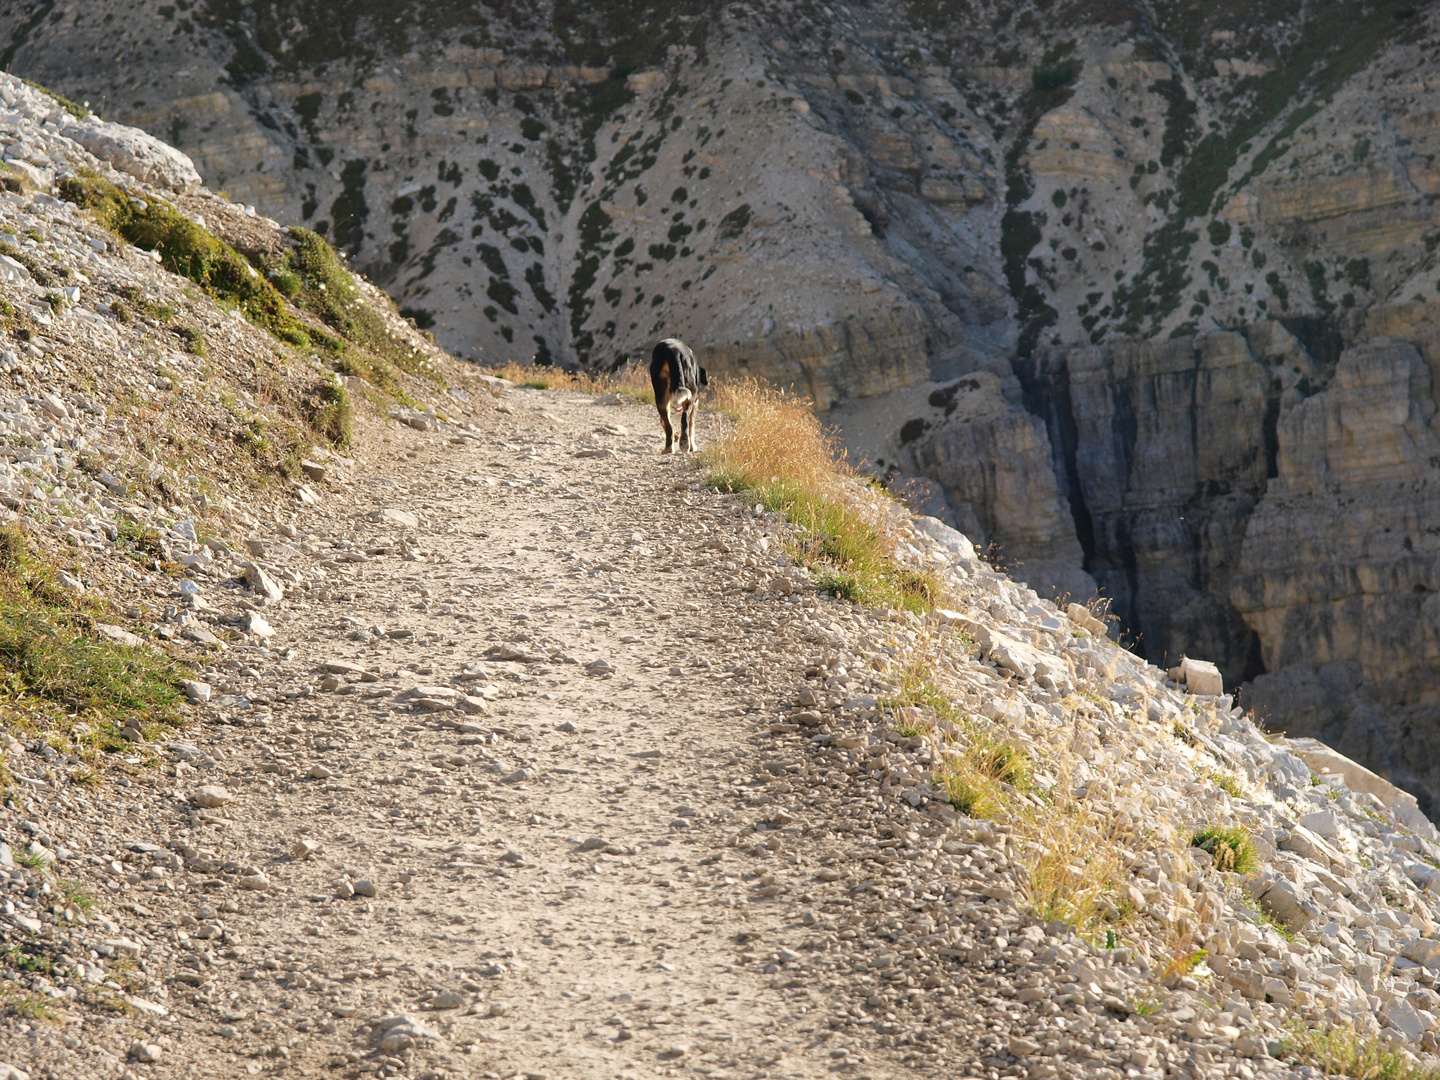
<point>677,379</point>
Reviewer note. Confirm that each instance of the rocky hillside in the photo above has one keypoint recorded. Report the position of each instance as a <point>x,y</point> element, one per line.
<point>243,497</point>
<point>162,392</point>
<point>1147,292</point>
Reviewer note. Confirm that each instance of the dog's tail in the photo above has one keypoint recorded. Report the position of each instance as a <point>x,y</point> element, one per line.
<point>680,398</point>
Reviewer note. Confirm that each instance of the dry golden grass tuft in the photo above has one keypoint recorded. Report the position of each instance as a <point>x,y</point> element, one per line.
<point>1074,872</point>
<point>1342,1051</point>
<point>1072,857</point>
<point>632,380</point>
<point>971,787</point>
<point>778,453</point>
<point>1076,861</point>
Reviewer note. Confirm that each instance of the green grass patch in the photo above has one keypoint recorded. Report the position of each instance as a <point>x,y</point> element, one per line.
<point>53,673</point>
<point>316,281</point>
<point>139,541</point>
<point>192,339</point>
<point>1229,846</point>
<point>1228,784</point>
<point>919,692</point>
<point>188,250</point>
<point>24,1005</point>
<point>29,957</point>
<point>44,276</point>
<point>982,779</point>
<point>909,727</point>
<point>76,894</point>
<point>136,299</point>
<point>1265,918</point>
<point>970,791</point>
<point>1003,761</point>
<point>11,180</point>
<point>850,557</point>
<point>1147,1004</point>
<point>919,689</point>
<point>113,1003</point>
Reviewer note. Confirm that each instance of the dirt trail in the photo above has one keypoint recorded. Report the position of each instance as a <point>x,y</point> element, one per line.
<point>566,863</point>
<point>520,788</point>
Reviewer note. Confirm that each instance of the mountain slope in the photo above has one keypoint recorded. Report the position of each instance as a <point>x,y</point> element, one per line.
<point>335,727</point>
<point>1147,291</point>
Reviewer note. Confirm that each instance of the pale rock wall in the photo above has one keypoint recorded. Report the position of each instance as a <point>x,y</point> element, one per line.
<point>843,359</point>
<point>525,207</point>
<point>1339,574</point>
<point>229,146</point>
<point>993,460</point>
<point>1241,501</point>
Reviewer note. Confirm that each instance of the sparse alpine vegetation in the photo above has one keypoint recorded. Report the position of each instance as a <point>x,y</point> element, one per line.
<point>59,680</point>
<point>779,454</point>
<point>307,279</point>
<point>1229,846</point>
<point>189,250</point>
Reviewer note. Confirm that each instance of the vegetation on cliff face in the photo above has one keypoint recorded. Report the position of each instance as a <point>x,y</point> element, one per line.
<point>1332,46</point>
<point>624,35</point>
<point>1051,85</point>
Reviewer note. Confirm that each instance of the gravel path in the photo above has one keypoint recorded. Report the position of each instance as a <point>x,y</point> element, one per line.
<point>516,790</point>
<point>565,858</point>
<point>517,752</point>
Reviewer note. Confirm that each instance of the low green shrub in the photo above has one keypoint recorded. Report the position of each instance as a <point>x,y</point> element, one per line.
<point>1229,846</point>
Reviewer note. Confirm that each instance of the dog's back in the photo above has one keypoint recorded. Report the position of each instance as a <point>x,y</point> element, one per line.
<point>673,369</point>
<point>676,377</point>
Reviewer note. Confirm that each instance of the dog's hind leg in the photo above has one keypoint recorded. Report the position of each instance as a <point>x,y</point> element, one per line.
<point>687,439</point>
<point>662,403</point>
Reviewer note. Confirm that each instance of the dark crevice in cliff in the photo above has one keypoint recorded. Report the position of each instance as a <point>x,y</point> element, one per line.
<point>1321,338</point>
<point>1124,431</point>
<point>23,31</point>
<point>1165,566</point>
<point>1254,660</point>
<point>1272,429</point>
<point>1046,395</point>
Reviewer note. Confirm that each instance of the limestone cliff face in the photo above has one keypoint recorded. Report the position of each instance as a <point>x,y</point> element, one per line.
<point>993,461</point>
<point>1167,458</point>
<point>1243,500</point>
<point>1149,293</point>
<point>1338,573</point>
<point>517,186</point>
